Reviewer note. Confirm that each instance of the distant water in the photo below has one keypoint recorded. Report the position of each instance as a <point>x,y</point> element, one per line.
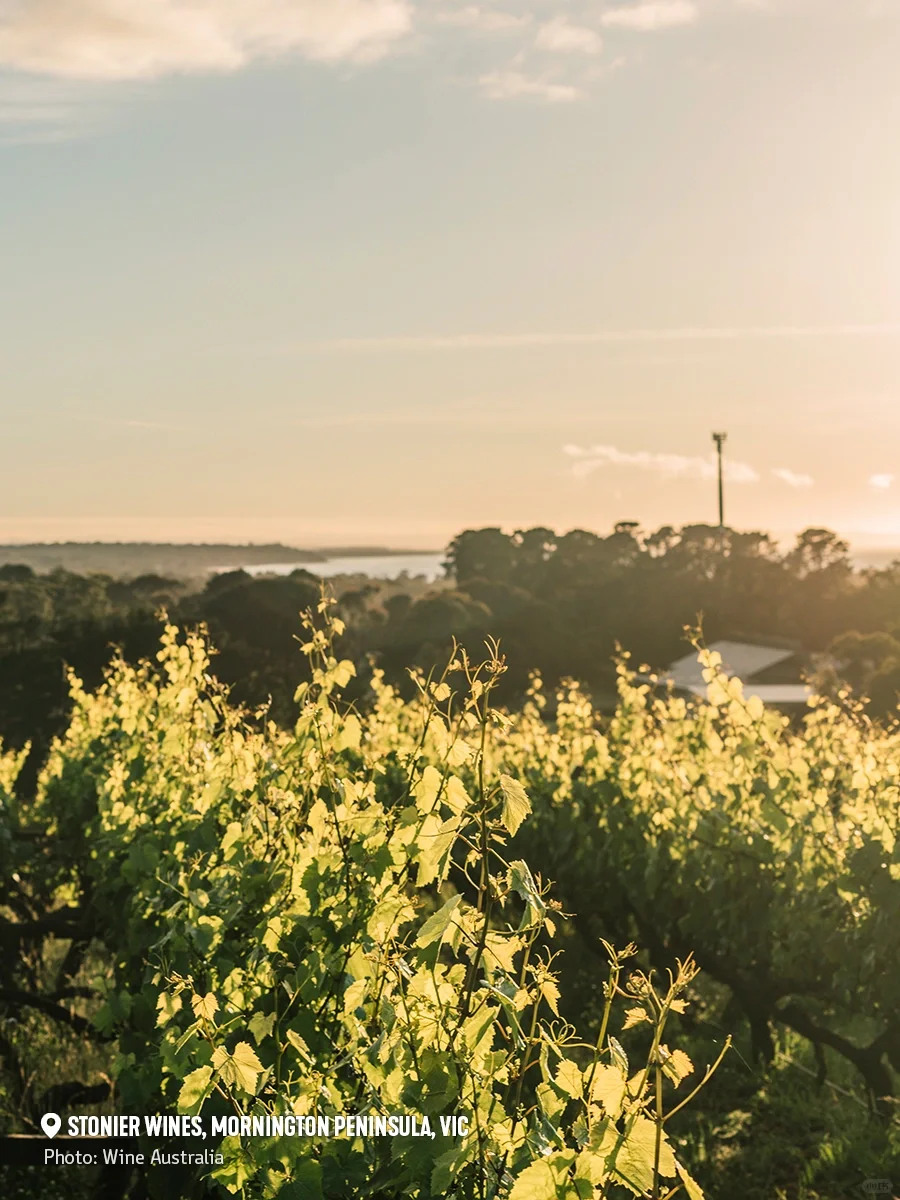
<point>389,566</point>
<point>377,566</point>
<point>879,557</point>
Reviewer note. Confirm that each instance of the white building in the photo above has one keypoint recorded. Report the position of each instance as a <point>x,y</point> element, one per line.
<point>765,671</point>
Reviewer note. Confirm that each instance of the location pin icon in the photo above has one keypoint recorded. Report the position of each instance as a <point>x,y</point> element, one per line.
<point>50,1124</point>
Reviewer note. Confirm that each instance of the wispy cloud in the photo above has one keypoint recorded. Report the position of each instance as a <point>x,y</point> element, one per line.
<point>598,337</point>
<point>131,423</point>
<point>793,479</point>
<point>881,482</point>
<point>651,15</point>
<point>144,39</point>
<point>40,109</point>
<point>510,85</point>
<point>489,20</point>
<point>561,36</point>
<point>587,459</point>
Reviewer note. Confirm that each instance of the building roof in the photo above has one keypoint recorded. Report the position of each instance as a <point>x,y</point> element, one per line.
<point>738,658</point>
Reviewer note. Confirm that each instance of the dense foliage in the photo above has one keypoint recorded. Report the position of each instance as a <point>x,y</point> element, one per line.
<point>328,921</point>
<point>771,850</point>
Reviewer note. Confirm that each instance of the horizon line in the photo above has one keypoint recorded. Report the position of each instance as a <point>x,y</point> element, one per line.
<point>362,548</point>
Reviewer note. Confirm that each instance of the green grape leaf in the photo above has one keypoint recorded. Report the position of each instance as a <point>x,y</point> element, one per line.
<point>550,992</point>
<point>196,1087</point>
<point>350,735</point>
<point>458,753</point>
<point>456,797</point>
<point>520,879</point>
<point>617,1054</point>
<point>500,950</point>
<point>634,1016</point>
<point>591,1163</point>
<point>167,1005</point>
<point>238,1166</point>
<point>634,1159</point>
<point>305,1182</point>
<point>550,1100</point>
<point>691,1186</point>
<point>343,672</point>
<point>299,1045</point>
<point>568,1078</point>
<point>438,923</point>
<point>675,1064</point>
<point>608,1088</point>
<point>427,788</point>
<point>448,1166</point>
<point>261,1026</point>
<point>436,841</point>
<point>205,1007</point>
<point>241,1067</point>
<point>536,1182</point>
<point>516,805</point>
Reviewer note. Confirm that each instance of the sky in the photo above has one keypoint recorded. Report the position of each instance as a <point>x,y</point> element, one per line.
<point>374,271</point>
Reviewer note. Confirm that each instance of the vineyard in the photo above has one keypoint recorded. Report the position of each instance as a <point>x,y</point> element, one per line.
<point>204,912</point>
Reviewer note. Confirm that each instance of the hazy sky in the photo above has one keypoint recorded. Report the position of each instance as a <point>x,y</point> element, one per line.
<point>375,270</point>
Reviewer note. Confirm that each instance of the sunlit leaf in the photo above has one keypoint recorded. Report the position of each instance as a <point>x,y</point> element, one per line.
<point>205,1007</point>
<point>568,1078</point>
<point>635,1016</point>
<point>634,1162</point>
<point>675,1064</point>
<point>691,1187</point>
<point>438,923</point>
<point>536,1182</point>
<point>516,805</point>
<point>240,1068</point>
<point>608,1087</point>
<point>194,1089</point>
<point>261,1026</point>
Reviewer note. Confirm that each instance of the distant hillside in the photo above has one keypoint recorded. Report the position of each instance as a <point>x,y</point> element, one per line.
<point>128,559</point>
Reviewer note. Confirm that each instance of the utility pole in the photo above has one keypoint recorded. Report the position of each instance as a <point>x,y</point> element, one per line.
<point>719,439</point>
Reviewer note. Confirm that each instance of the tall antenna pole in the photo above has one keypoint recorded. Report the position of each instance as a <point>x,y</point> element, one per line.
<point>719,439</point>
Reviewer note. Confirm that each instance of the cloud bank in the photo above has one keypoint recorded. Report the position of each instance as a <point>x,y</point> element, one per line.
<point>144,39</point>
<point>110,40</point>
<point>83,42</point>
<point>881,482</point>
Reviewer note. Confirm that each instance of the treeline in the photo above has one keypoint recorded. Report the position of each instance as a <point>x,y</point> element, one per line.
<point>559,604</point>
<point>640,588</point>
<point>562,604</point>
